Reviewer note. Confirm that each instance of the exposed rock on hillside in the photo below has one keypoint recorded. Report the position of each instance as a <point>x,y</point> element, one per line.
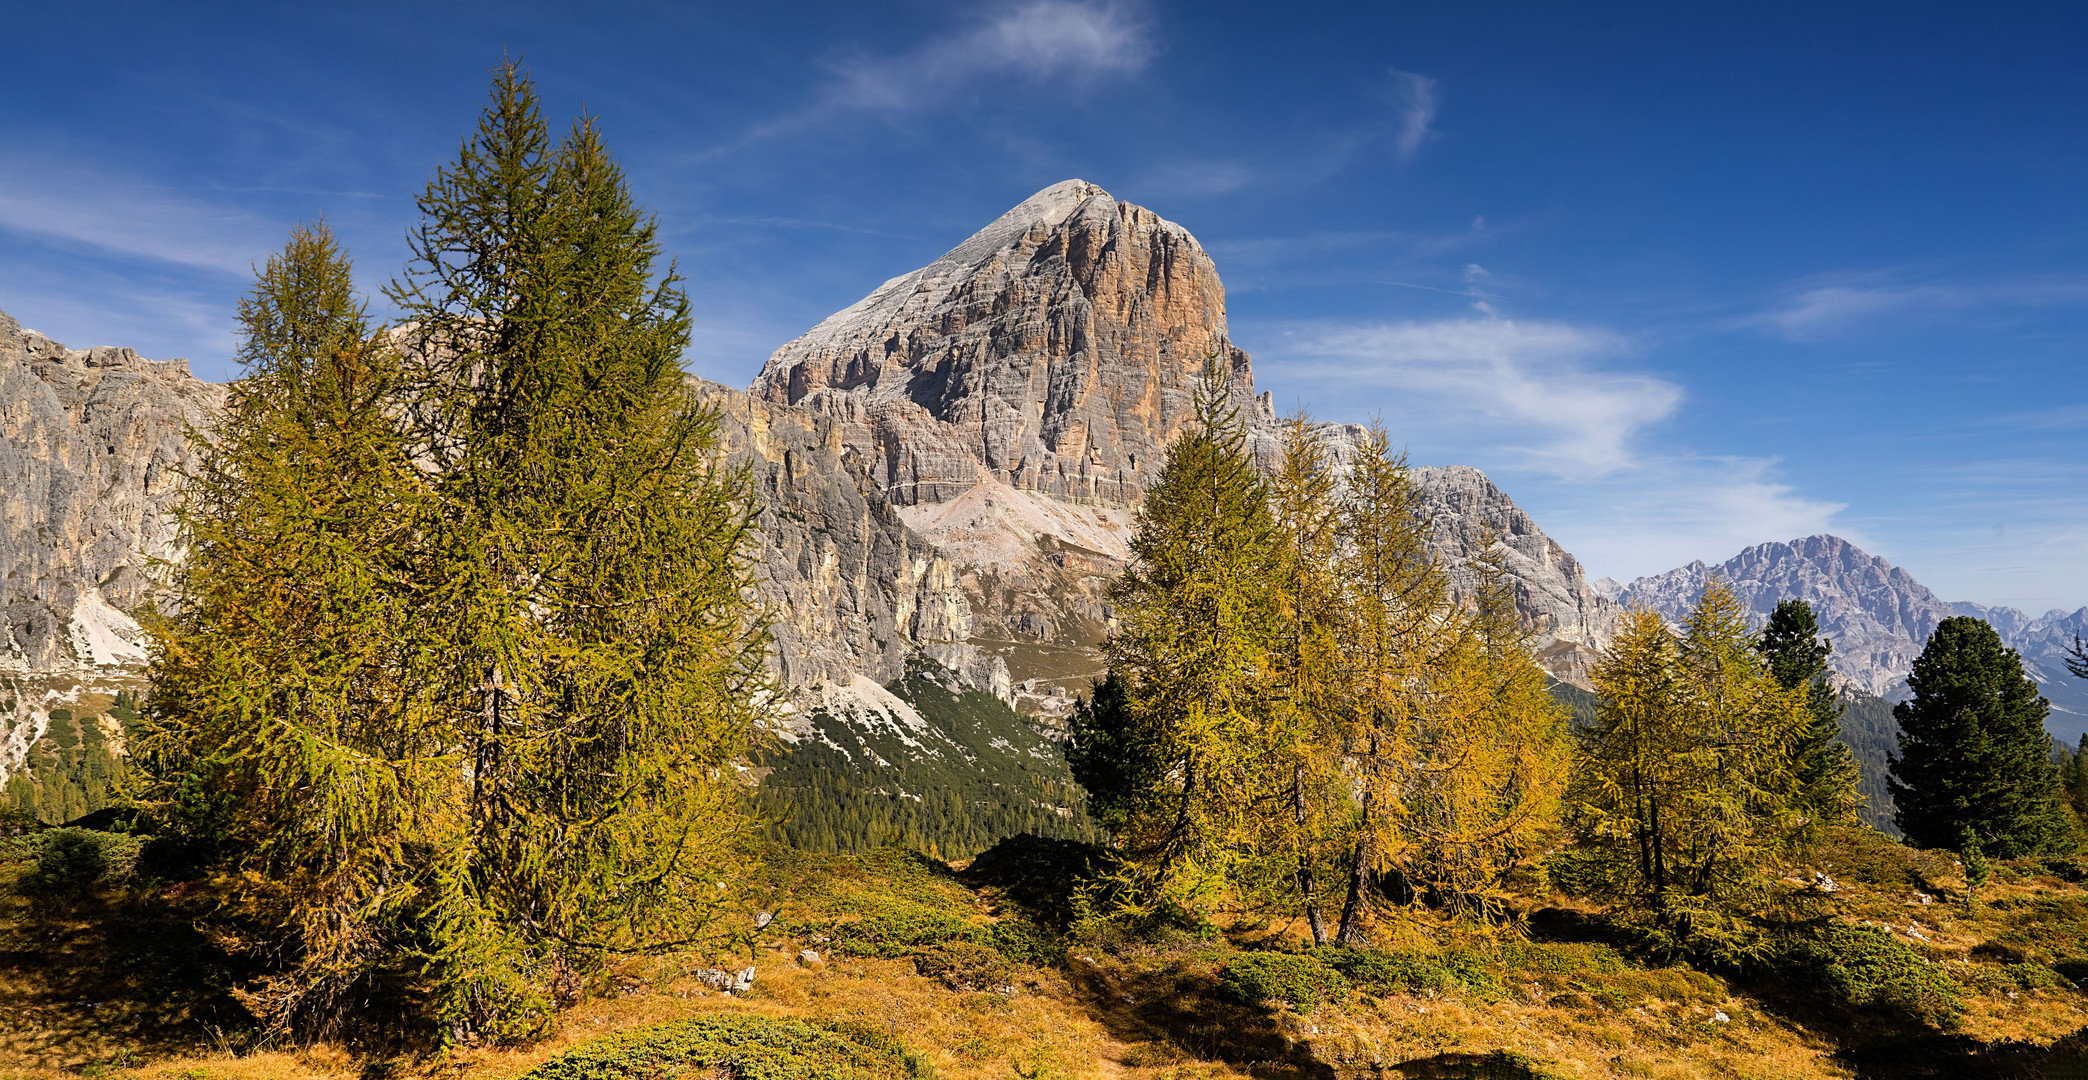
<point>92,444</point>
<point>1571,622</point>
<point>1056,349</point>
<point>855,591</point>
<point>1015,397</point>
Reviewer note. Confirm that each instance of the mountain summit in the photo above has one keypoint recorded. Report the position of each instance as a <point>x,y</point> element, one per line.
<point>1054,351</point>
<point>1878,617</point>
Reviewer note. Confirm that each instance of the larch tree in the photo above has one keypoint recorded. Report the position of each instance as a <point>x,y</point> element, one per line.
<point>600,663</point>
<point>1197,617</point>
<point>289,720</point>
<point>1684,794</point>
<point>1493,763</point>
<point>1302,828</point>
<point>1974,772</point>
<point>1394,651</point>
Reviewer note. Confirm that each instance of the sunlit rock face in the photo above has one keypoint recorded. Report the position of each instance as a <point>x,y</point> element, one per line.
<point>1015,398</point>
<point>1057,350</point>
<point>93,444</point>
<point>853,591</point>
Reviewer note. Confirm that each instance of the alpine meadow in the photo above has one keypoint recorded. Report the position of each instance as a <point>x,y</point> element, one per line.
<point>456,682</point>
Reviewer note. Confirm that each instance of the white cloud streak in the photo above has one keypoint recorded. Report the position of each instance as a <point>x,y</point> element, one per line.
<point>1512,379</point>
<point>1678,508</point>
<point>1825,308</point>
<point>1416,97</point>
<point>115,215</point>
<point>1037,41</point>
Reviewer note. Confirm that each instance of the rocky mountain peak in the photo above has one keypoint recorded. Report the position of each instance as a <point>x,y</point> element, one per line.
<point>1057,349</point>
<point>1876,614</point>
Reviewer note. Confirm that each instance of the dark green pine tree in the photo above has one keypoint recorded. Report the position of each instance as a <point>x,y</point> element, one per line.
<point>1975,766</point>
<point>1825,768</point>
<point>1110,754</point>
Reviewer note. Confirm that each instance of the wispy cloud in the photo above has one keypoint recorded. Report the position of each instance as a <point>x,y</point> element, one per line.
<point>1531,387</point>
<point>114,214</point>
<point>1040,40</point>
<point>1820,308</point>
<point>1077,41</point>
<point>1680,507</point>
<point>1415,96</point>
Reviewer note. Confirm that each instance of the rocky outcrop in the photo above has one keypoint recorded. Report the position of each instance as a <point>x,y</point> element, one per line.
<point>1015,397</point>
<point>1570,622</point>
<point>854,592</point>
<point>1056,349</point>
<point>1878,617</point>
<point>93,443</point>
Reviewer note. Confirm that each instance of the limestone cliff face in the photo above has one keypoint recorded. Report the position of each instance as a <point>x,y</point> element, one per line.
<point>1056,350</point>
<point>1571,624</point>
<point>854,591</point>
<point>1015,397</point>
<point>92,445</point>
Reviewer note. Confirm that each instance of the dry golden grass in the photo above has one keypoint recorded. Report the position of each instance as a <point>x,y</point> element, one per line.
<point>1143,1011</point>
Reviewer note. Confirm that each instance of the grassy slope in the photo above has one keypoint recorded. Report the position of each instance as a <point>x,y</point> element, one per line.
<point>902,938</point>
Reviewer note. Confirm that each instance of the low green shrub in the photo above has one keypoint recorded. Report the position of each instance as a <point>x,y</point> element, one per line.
<point>740,1046</point>
<point>2045,929</point>
<point>2037,977</point>
<point>72,860</point>
<point>1561,958</point>
<point>1258,978</point>
<point>889,930</point>
<point>1865,967</point>
<point>1386,971</point>
<point>965,967</point>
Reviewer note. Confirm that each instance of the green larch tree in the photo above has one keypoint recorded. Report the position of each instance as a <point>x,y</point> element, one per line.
<point>289,717</point>
<point>1974,767</point>
<point>1197,616</point>
<point>1684,790</point>
<point>600,666</point>
<point>1302,830</point>
<point>1397,599</point>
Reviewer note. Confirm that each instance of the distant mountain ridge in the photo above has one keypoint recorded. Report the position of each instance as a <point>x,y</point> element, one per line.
<point>1875,613</point>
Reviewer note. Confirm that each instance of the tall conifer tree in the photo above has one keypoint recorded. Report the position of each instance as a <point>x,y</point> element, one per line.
<point>1197,616</point>
<point>1797,656</point>
<point>288,717</point>
<point>1493,759</point>
<point>601,663</point>
<point>1397,599</point>
<point>1305,718</point>
<point>1974,767</point>
<point>1684,791</point>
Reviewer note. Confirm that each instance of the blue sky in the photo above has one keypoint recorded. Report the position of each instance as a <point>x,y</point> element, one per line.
<point>1681,278</point>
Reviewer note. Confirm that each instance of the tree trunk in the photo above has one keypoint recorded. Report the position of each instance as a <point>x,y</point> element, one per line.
<point>1307,883</point>
<point>1358,903</point>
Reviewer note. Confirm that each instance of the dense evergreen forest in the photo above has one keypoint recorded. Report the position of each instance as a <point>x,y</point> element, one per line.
<point>75,768</point>
<point>991,775</point>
